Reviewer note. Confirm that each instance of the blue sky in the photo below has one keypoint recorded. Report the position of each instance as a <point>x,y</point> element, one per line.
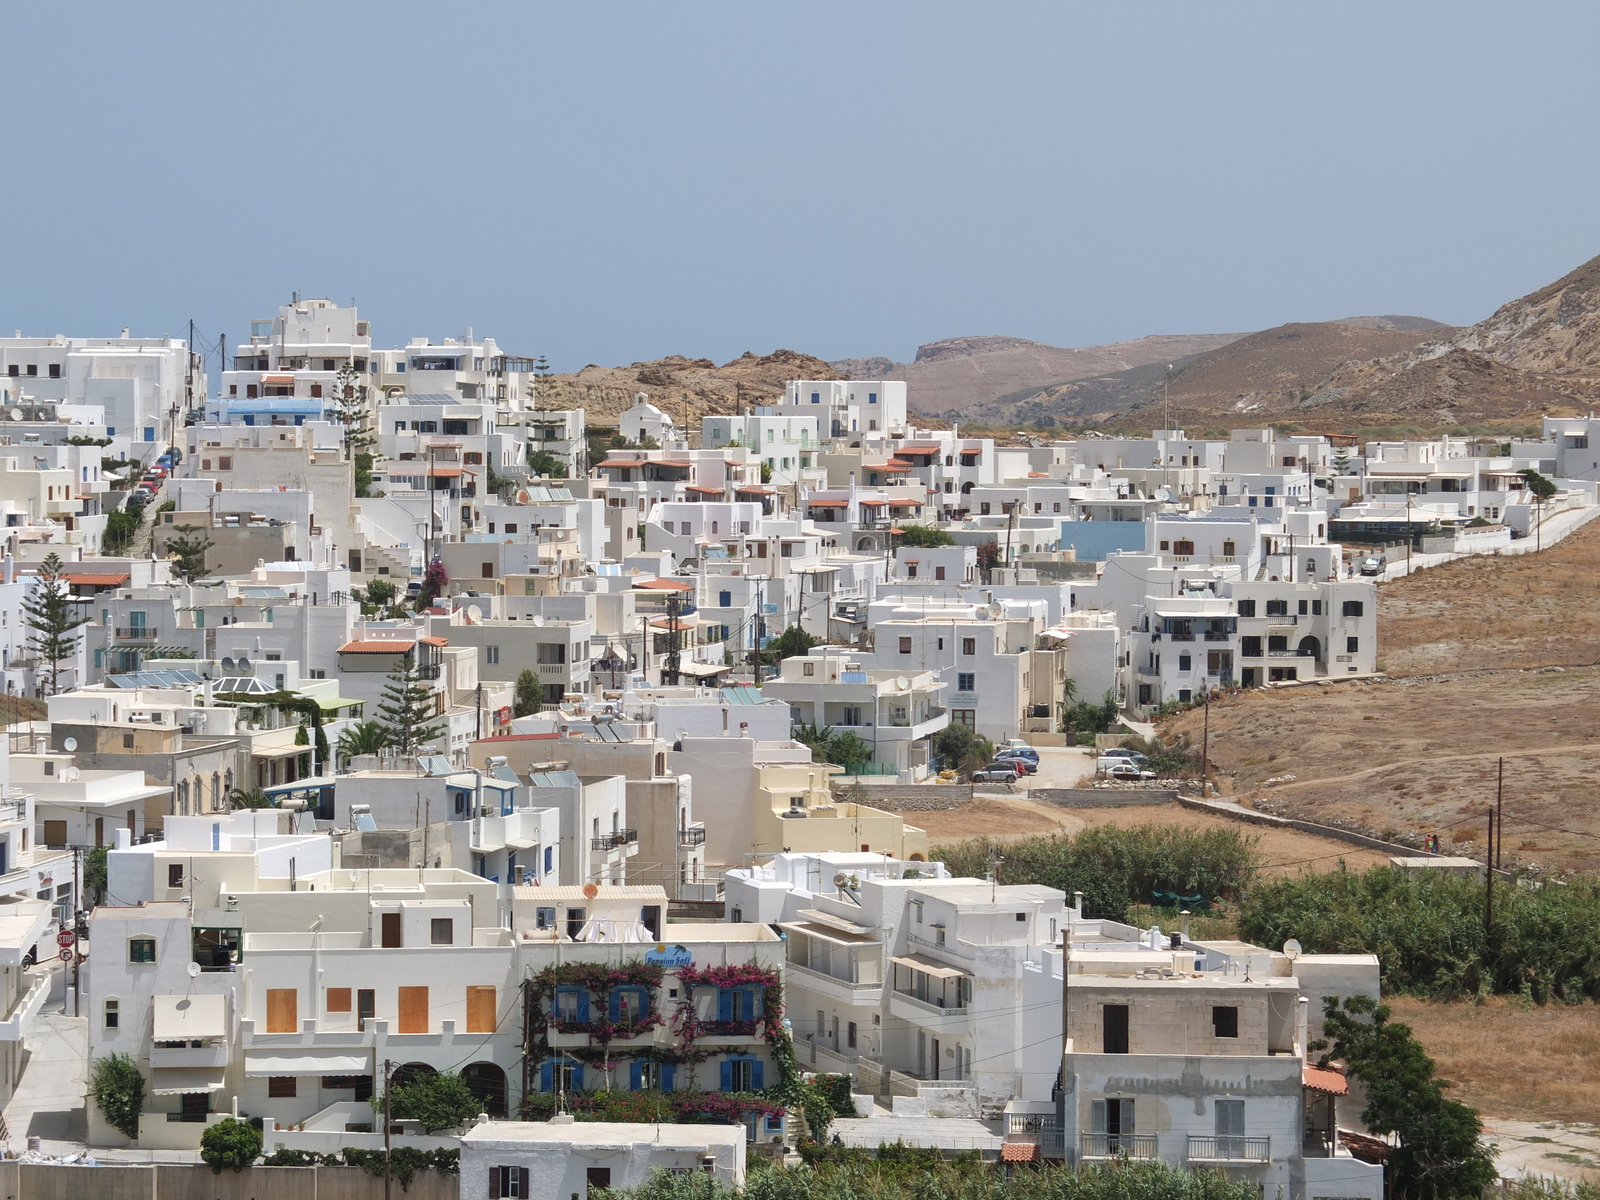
<point>608,183</point>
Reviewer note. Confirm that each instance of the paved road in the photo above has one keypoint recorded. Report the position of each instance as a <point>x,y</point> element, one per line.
<point>49,1101</point>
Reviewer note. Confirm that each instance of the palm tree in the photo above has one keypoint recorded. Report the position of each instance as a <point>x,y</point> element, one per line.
<point>250,798</point>
<point>364,737</point>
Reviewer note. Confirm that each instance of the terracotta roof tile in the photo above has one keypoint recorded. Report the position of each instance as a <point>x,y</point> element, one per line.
<point>376,648</point>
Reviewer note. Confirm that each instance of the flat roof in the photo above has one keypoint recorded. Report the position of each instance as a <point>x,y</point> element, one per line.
<point>602,1135</point>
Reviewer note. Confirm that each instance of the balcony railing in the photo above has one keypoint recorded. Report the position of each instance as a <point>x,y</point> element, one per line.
<point>1116,1145</point>
<point>610,841</point>
<point>137,633</point>
<point>692,837</point>
<point>429,671</point>
<point>1229,1149</point>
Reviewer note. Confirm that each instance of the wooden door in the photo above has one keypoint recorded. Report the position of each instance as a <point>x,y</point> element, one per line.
<point>55,834</point>
<point>391,930</point>
<point>282,1010</point>
<point>413,1010</point>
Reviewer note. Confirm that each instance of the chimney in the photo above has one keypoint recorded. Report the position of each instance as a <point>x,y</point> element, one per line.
<point>124,837</point>
<point>1077,906</point>
<point>1185,915</point>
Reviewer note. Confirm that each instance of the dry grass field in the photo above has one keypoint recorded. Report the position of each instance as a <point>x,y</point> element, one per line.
<point>1545,1064</point>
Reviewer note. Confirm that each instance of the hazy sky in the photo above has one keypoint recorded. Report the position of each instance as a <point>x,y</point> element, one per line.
<point>620,181</point>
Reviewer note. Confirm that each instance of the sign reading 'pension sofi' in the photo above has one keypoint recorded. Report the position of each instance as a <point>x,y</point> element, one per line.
<point>669,956</point>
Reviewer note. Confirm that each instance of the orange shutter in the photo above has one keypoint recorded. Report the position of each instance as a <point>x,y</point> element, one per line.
<point>480,1010</point>
<point>282,1011</point>
<point>413,1010</point>
<point>338,1000</point>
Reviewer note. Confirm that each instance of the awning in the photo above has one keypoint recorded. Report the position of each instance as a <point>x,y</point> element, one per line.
<point>277,379</point>
<point>190,1018</point>
<point>926,965</point>
<point>1320,1079</point>
<point>825,933</point>
<point>183,1081</point>
<point>312,1062</point>
<point>333,703</point>
<point>702,670</point>
<point>826,918</point>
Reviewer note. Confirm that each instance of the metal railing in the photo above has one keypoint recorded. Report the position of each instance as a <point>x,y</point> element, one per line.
<point>692,837</point>
<point>1229,1149</point>
<point>137,633</point>
<point>1116,1145</point>
<point>610,841</point>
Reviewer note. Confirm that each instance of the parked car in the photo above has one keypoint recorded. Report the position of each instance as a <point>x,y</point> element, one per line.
<point>1012,750</point>
<point>1110,764</point>
<point>999,771</point>
<point>1372,564</point>
<point>1125,769</point>
<point>1025,766</point>
<point>1122,752</point>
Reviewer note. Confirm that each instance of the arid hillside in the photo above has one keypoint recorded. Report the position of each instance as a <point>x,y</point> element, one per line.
<point>967,377</point>
<point>683,387</point>
<point>1490,658</point>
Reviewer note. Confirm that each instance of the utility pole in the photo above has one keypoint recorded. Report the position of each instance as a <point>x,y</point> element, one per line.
<point>77,950</point>
<point>1500,814</point>
<point>478,711</point>
<point>1205,745</point>
<point>387,1148</point>
<point>1408,533</point>
<point>669,669</point>
<point>1488,891</point>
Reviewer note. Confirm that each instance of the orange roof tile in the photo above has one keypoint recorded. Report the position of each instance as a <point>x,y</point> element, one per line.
<point>827,504</point>
<point>435,641</point>
<point>700,487</point>
<point>622,462</point>
<point>665,585</point>
<point>1320,1079</point>
<point>376,648</point>
<point>1019,1151</point>
<point>85,577</point>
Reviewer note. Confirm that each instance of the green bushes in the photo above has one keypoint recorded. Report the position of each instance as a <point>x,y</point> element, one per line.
<point>117,1089</point>
<point>230,1143</point>
<point>1116,868</point>
<point>1428,931</point>
<point>910,1173</point>
<point>403,1166</point>
<point>439,1100</point>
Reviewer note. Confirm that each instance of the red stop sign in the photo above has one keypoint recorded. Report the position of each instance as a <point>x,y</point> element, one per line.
<point>65,938</point>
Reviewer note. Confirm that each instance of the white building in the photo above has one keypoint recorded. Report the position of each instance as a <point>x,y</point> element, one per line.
<point>562,1157</point>
<point>849,409</point>
<point>787,444</point>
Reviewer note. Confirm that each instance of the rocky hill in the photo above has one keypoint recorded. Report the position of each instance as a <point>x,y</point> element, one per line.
<point>681,386</point>
<point>964,376</point>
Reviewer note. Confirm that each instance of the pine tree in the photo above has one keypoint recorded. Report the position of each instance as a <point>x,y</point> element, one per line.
<point>52,616</point>
<point>407,708</point>
<point>188,552</point>
<point>349,408</point>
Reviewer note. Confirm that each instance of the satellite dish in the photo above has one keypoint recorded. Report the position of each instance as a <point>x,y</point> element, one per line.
<point>841,881</point>
<point>244,664</point>
<point>194,970</point>
<point>902,683</point>
<point>70,745</point>
<point>15,414</point>
<point>474,614</point>
<point>590,891</point>
<point>1292,949</point>
<point>227,664</point>
<point>537,620</point>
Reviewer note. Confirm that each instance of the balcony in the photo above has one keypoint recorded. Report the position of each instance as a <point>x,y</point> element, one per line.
<point>610,841</point>
<point>137,633</point>
<point>429,671</point>
<point>1228,1149</point>
<point>695,836</point>
<point>1117,1145</point>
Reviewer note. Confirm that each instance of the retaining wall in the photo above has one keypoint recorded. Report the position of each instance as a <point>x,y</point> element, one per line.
<point>1103,797</point>
<point>52,1181</point>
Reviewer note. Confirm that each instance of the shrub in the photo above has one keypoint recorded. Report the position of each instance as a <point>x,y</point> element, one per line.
<point>1117,868</point>
<point>925,536</point>
<point>439,1100</point>
<point>230,1143</point>
<point>118,1090</point>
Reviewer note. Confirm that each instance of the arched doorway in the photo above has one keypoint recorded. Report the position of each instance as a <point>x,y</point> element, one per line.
<point>487,1081</point>
<point>1309,647</point>
<point>917,856</point>
<point>865,543</point>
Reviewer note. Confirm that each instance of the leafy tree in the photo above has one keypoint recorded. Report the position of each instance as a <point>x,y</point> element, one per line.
<point>434,581</point>
<point>379,594</point>
<point>960,748</point>
<point>363,476</point>
<point>766,471</point>
<point>117,1089</point>
<point>546,465</point>
<point>925,536</point>
<point>792,642</point>
<point>122,526</point>
<point>439,1100</point>
<point>230,1143</point>
<point>364,737</point>
<point>1541,486</point>
<point>407,708</point>
<point>1440,1153</point>
<point>94,872</point>
<point>188,552</point>
<point>529,697</point>
<point>52,616</point>
<point>844,749</point>
<point>988,557</point>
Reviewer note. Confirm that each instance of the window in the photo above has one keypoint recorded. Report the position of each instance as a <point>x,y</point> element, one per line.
<point>725,599</point>
<point>491,655</point>
<point>544,918</point>
<point>1250,647</point>
<point>1114,1029</point>
<point>142,950</point>
<point>1351,645</point>
<point>872,397</point>
<point>969,645</point>
<point>280,1087</point>
<point>488,570</point>
<point>938,572</point>
<point>905,645</point>
<point>338,1000</point>
<point>741,1075</point>
<point>413,1010</point>
<point>225,464</point>
<point>1247,608</point>
<point>443,931</point>
<point>111,1014</point>
<point>366,1007</point>
<point>1304,608</point>
<point>966,681</point>
<point>808,668</point>
<point>480,1008</point>
<point>1316,605</point>
<point>55,370</point>
<point>1230,1126</point>
<point>1184,662</point>
<point>127,741</point>
<point>1225,1021</point>
<point>850,1035</point>
<point>1183,547</point>
<point>508,1182</point>
<point>283,1010</point>
<point>1354,608</point>
<point>174,875</point>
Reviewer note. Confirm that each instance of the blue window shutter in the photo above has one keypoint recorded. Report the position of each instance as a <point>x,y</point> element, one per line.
<point>725,599</point>
<point>577,1079</point>
<point>727,1074</point>
<point>872,397</point>
<point>725,1004</point>
<point>583,1006</point>
<point>755,1075</point>
<point>668,1070</point>
<point>635,1075</point>
<point>614,1005</point>
<point>544,1078</point>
